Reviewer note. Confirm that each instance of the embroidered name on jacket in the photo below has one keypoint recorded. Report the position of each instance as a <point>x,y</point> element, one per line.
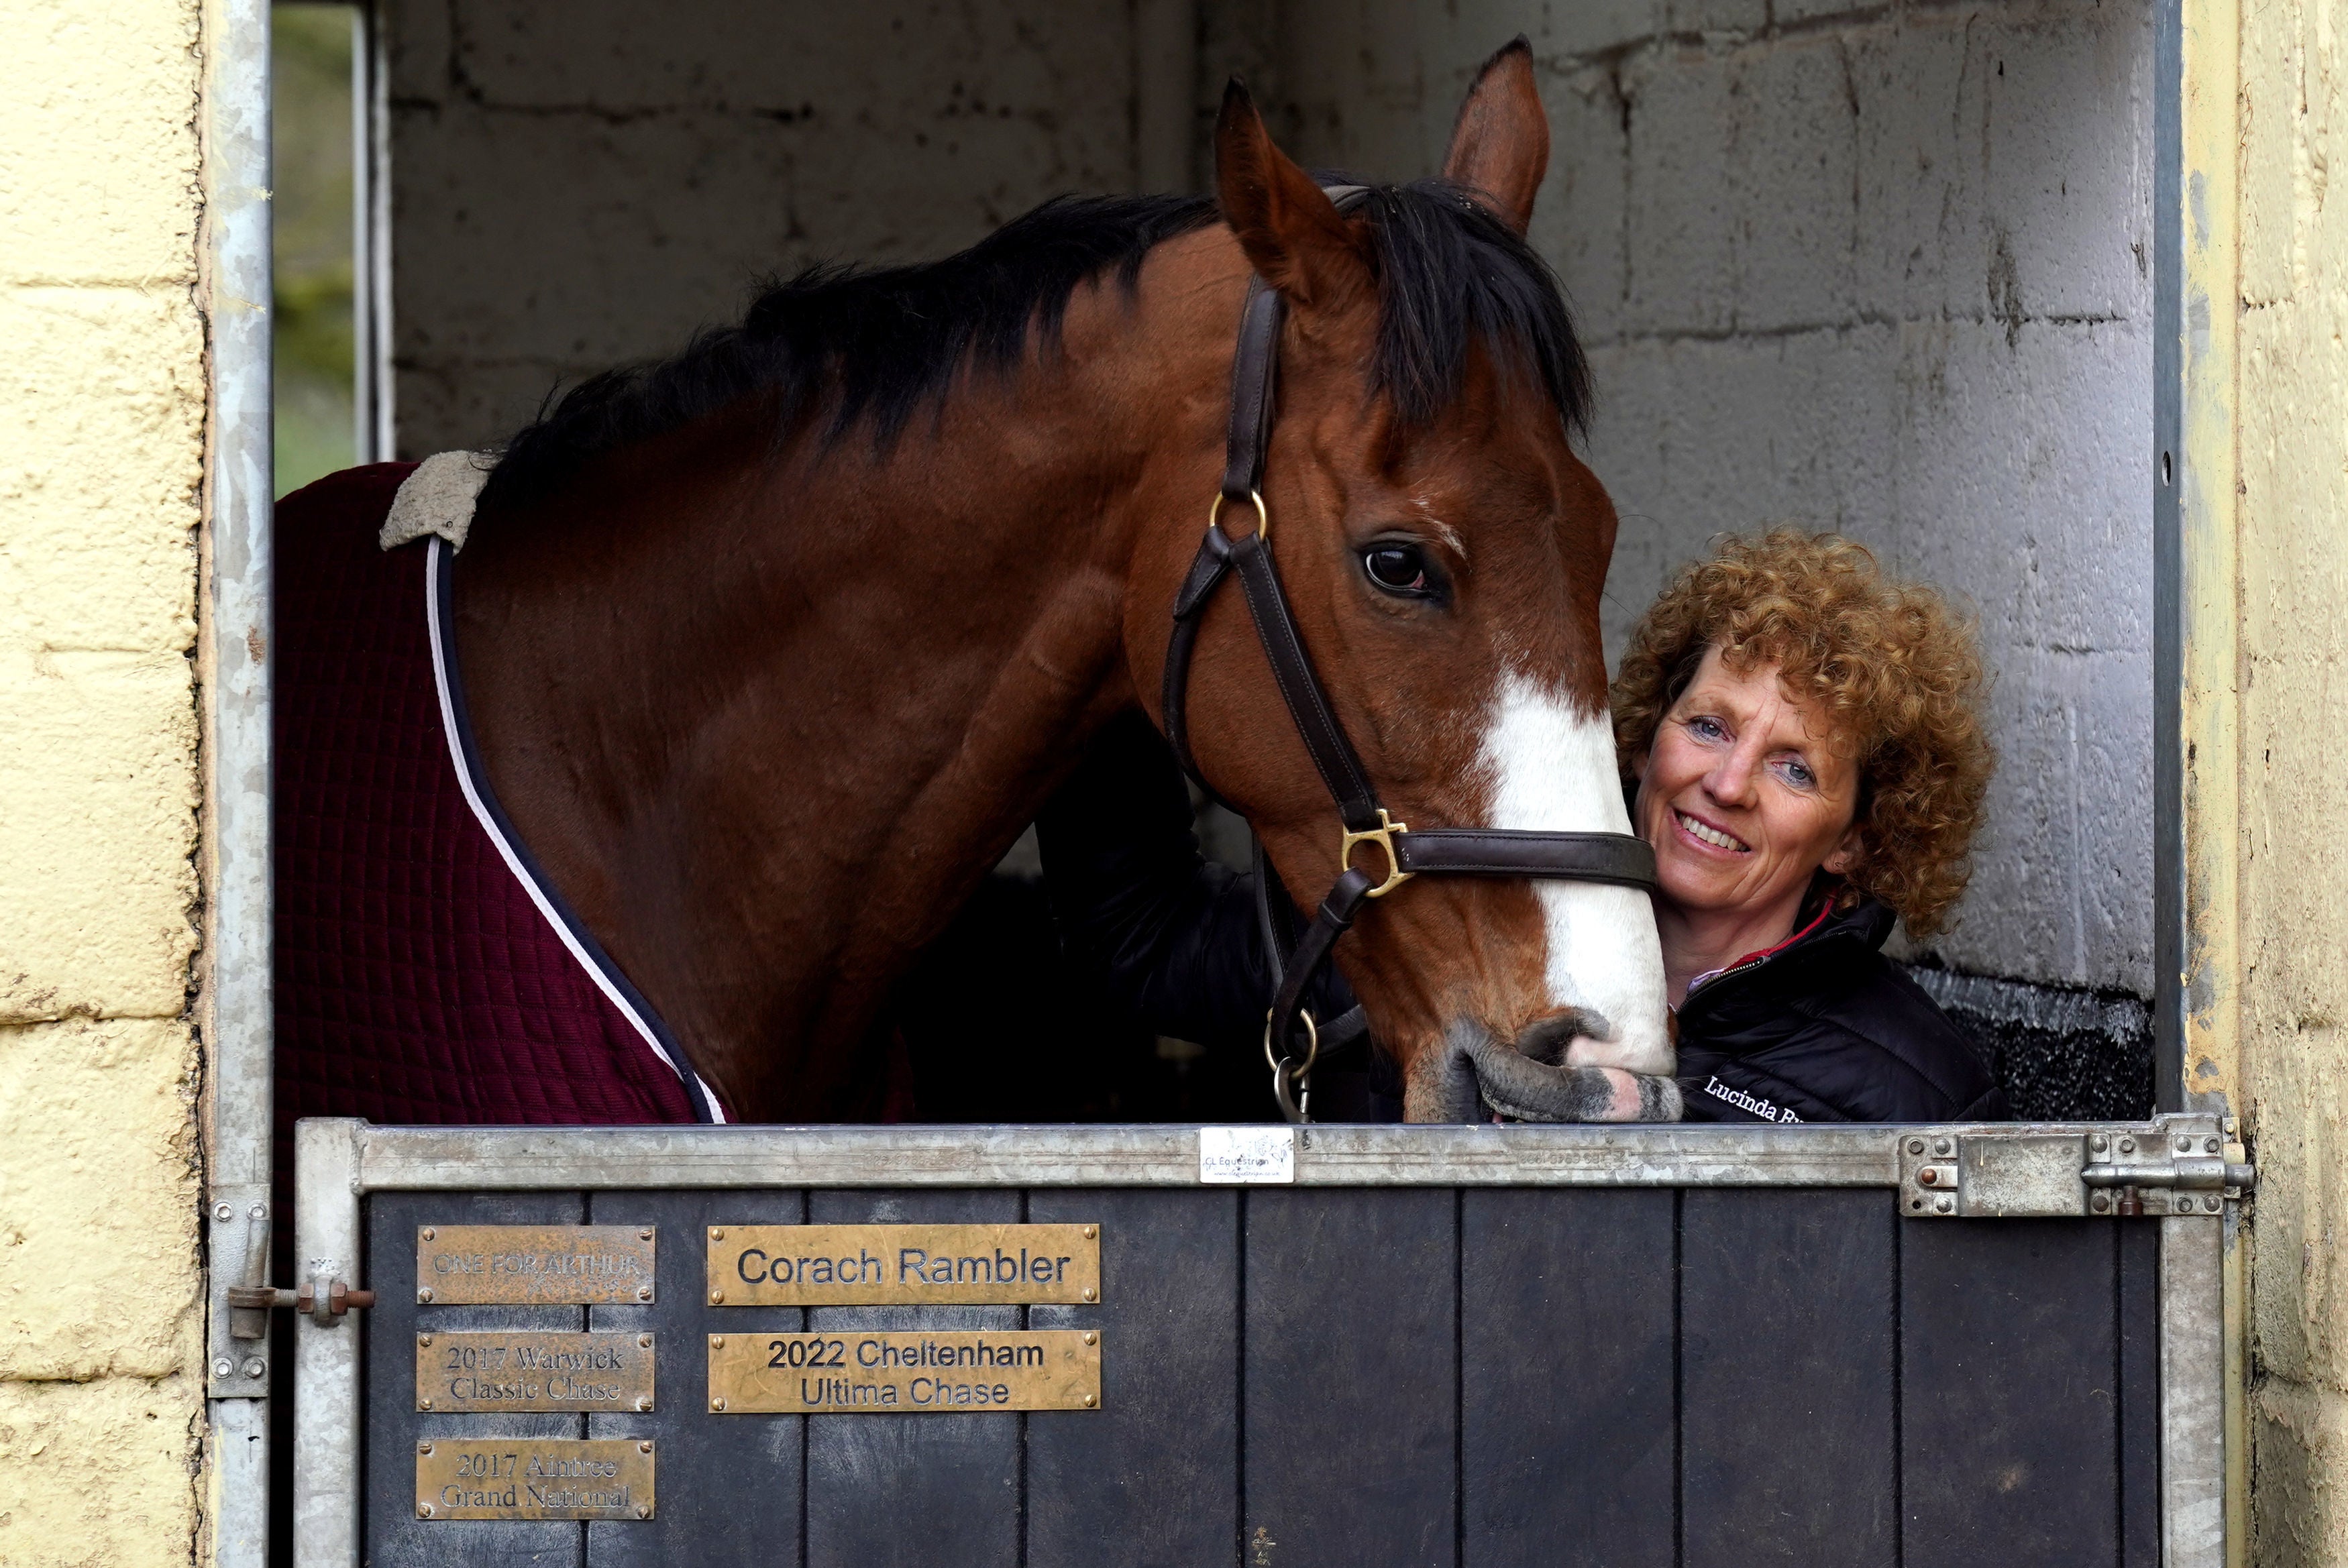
<point>1751,1103</point>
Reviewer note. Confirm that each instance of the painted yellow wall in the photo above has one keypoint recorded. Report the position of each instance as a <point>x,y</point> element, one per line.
<point>2282,685</point>
<point>101,448</point>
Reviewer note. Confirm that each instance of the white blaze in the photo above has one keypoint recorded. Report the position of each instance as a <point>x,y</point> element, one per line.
<point>1552,769</point>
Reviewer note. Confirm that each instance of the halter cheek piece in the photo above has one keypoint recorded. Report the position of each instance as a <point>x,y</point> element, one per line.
<point>1611,858</point>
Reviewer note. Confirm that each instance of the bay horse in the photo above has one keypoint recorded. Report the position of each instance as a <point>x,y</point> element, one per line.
<point>773,648</point>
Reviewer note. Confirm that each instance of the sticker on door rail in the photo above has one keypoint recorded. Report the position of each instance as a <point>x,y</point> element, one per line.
<point>546,1266</point>
<point>520,1369</point>
<point>864,1265</point>
<point>1245,1156</point>
<point>534,1477</point>
<point>860,1371</point>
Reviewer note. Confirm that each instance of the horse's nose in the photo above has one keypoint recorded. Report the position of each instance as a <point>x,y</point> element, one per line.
<point>1528,1079</point>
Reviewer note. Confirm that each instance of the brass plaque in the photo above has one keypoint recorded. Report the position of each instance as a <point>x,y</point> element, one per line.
<point>516,1369</point>
<point>865,1265</point>
<point>547,1265</point>
<point>862,1371</point>
<point>534,1477</point>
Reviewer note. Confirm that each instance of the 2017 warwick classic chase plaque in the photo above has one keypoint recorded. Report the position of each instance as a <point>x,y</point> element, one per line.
<point>538,1265</point>
<point>860,1371</point>
<point>533,1369</point>
<point>939,1264</point>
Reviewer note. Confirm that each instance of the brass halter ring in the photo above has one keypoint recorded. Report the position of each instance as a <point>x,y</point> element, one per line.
<point>1382,835</point>
<point>1262,518</point>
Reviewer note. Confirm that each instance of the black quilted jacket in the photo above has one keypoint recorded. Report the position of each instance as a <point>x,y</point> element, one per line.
<point>1823,1029</point>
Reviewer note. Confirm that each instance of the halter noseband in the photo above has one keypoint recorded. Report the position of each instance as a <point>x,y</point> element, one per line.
<point>1611,858</point>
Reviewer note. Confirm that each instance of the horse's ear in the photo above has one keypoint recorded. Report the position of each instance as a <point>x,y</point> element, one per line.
<point>1287,225</point>
<point>1499,147</point>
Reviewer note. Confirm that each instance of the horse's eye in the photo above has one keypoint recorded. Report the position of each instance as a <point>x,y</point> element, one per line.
<point>1397,569</point>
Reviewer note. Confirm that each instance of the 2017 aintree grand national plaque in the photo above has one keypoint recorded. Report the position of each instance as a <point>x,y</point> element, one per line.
<point>527,1369</point>
<point>864,1265</point>
<point>865,1372</point>
<point>538,1265</point>
<point>534,1477</point>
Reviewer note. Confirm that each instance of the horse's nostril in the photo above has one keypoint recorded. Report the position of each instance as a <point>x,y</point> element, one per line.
<point>1548,1041</point>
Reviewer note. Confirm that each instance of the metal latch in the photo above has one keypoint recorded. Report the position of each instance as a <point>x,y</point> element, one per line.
<point>326,1301</point>
<point>2174,1165</point>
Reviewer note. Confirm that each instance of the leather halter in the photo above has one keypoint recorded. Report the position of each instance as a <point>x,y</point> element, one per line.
<point>1611,857</point>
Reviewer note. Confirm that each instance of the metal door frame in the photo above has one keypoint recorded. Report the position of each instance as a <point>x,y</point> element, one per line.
<point>339,1162</point>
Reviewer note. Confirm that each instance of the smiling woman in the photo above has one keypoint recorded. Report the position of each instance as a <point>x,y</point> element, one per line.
<point>1803,736</point>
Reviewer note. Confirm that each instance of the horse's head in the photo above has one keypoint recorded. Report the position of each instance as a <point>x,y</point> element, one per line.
<point>1443,551</point>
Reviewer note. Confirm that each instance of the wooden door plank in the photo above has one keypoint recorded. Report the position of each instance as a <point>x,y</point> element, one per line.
<point>1151,1479</point>
<point>1350,1377</point>
<point>1566,1362</point>
<point>2009,1369</point>
<point>729,1485</point>
<point>394,1536</point>
<point>913,1490</point>
<point>1787,1379</point>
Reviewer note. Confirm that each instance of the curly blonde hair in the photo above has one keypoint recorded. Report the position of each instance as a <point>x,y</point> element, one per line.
<point>1891,665</point>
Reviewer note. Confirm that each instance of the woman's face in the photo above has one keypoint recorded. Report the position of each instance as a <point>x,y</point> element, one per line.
<point>1744,794</point>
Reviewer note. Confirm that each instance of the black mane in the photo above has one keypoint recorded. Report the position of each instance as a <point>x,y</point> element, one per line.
<point>878,342</point>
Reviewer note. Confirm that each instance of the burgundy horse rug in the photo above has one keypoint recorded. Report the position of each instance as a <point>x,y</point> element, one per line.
<point>425,970</point>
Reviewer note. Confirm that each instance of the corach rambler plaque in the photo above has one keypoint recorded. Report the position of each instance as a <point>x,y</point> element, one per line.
<point>534,1477</point>
<point>544,1266</point>
<point>865,1265</point>
<point>520,1369</point>
<point>862,1372</point>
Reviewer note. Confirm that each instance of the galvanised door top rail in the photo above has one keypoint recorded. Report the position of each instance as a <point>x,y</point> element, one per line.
<point>495,1159</point>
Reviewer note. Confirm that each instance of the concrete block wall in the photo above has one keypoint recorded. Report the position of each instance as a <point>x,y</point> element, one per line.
<point>1881,270</point>
<point>102,398</point>
<point>576,185</point>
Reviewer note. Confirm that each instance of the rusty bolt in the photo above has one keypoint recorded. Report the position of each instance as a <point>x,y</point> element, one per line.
<point>645,1340</point>
<point>1091,1337</point>
<point>427,1233</point>
<point>644,1293</point>
<point>424,1293</point>
<point>424,1339</point>
<point>1928,1177</point>
<point>645,1233</point>
<point>1090,1294</point>
<point>424,1508</point>
<point>2100,1202</point>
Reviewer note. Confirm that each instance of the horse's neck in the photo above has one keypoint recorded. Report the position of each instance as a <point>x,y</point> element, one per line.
<point>768,722</point>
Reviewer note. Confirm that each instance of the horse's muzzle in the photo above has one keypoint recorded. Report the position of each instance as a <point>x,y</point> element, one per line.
<point>1526,1081</point>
